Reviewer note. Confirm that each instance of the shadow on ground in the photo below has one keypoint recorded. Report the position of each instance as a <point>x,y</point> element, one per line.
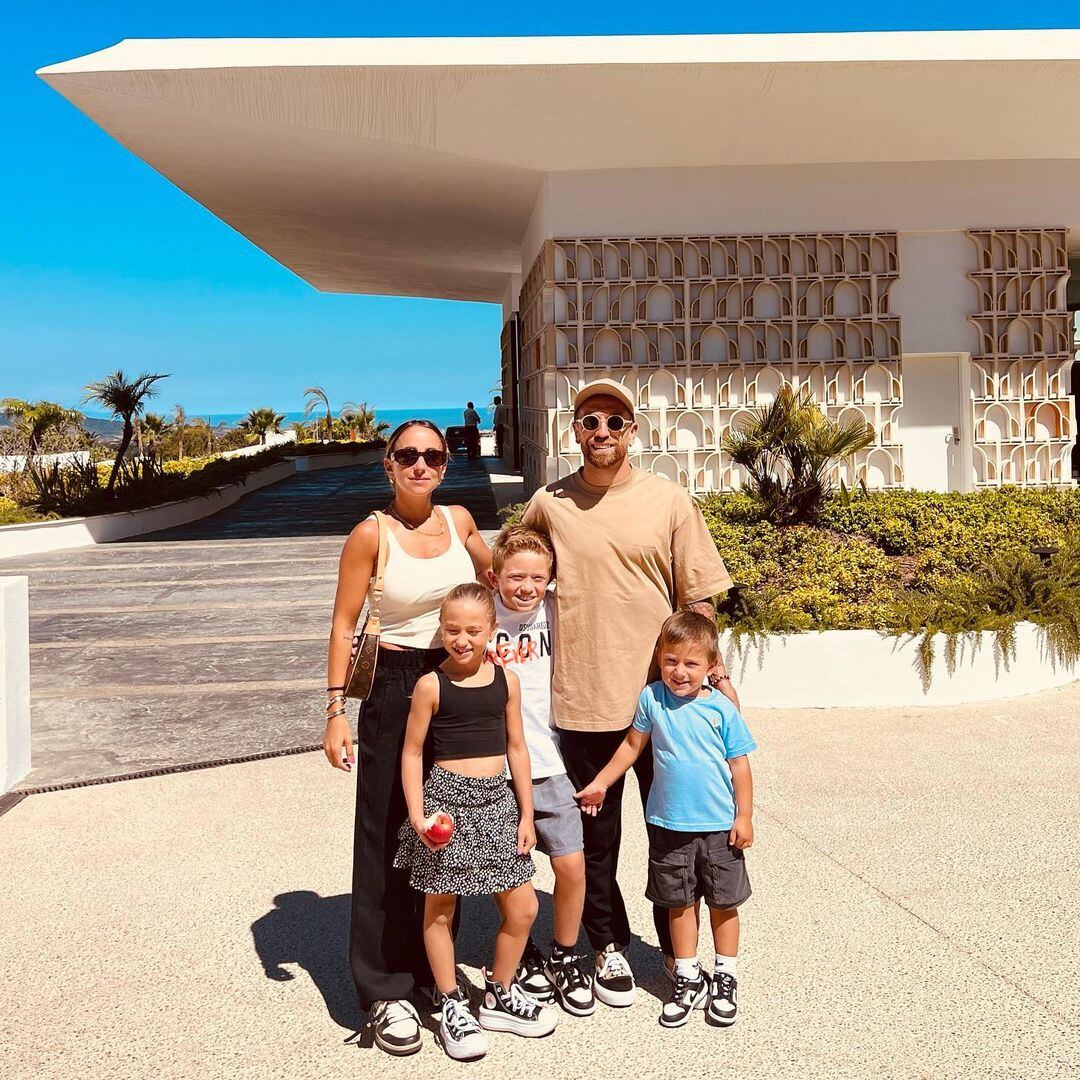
<point>311,932</point>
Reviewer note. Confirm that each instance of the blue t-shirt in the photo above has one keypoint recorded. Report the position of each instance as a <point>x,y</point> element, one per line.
<point>692,740</point>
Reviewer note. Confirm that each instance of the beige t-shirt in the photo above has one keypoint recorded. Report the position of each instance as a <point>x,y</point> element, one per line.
<point>625,558</point>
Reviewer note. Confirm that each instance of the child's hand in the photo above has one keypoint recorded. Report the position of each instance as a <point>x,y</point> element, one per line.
<point>420,825</point>
<point>591,798</point>
<point>742,833</point>
<point>526,836</point>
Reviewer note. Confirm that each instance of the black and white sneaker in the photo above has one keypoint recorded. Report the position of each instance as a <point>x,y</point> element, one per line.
<point>572,987</point>
<point>462,1037</point>
<point>515,1011</point>
<point>614,982</point>
<point>686,996</point>
<point>723,1001</point>
<point>397,1027</point>
<point>532,974</point>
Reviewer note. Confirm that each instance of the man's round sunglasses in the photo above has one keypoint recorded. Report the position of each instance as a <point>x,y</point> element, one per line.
<point>615,424</point>
<point>409,455</point>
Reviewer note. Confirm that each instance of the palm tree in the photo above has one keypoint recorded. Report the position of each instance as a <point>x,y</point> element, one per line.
<point>126,401</point>
<point>154,427</point>
<point>317,396</point>
<point>300,430</point>
<point>261,421</point>
<point>362,421</point>
<point>179,425</point>
<point>36,418</point>
<point>788,449</point>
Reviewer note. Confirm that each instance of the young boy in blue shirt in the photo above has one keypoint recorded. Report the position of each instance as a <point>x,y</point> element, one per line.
<point>698,813</point>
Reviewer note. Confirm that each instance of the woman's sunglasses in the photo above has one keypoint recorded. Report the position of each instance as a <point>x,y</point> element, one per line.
<point>615,424</point>
<point>409,455</point>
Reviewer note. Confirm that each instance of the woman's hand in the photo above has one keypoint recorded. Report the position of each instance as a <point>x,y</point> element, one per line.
<point>526,836</point>
<point>420,828</point>
<point>591,798</point>
<point>742,833</point>
<point>338,744</point>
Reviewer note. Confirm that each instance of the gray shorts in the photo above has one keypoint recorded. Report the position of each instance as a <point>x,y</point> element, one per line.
<point>558,819</point>
<point>685,866</point>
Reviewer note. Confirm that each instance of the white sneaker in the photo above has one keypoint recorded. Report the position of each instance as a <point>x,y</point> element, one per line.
<point>462,1037</point>
<point>614,983</point>
<point>515,1011</point>
<point>397,1027</point>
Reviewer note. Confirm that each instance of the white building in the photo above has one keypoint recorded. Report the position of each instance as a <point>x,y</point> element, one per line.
<point>883,217</point>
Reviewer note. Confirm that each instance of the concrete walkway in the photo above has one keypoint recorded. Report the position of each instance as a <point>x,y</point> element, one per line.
<point>202,642</point>
<point>916,883</point>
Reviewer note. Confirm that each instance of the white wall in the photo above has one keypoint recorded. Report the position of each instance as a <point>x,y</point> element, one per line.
<point>900,196</point>
<point>17,462</point>
<point>14,681</point>
<point>539,228</point>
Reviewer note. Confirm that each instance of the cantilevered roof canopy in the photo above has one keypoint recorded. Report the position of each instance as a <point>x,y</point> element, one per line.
<point>411,166</point>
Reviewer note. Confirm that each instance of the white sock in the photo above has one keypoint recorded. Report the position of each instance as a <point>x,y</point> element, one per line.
<point>725,965</point>
<point>689,968</point>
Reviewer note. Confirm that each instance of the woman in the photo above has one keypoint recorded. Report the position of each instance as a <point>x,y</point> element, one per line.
<point>431,549</point>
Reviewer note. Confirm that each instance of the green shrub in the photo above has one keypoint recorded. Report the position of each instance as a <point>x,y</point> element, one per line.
<point>11,513</point>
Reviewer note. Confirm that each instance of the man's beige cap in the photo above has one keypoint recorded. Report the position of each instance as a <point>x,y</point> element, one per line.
<point>608,388</point>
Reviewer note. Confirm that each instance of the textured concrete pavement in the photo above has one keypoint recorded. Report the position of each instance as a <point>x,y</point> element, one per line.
<point>916,883</point>
<point>201,642</point>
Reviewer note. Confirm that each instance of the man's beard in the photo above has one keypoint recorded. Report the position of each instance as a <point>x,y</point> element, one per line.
<point>610,457</point>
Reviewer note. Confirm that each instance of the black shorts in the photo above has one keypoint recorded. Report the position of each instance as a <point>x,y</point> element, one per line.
<point>685,867</point>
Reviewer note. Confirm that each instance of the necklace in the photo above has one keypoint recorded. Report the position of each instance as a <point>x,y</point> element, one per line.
<point>392,511</point>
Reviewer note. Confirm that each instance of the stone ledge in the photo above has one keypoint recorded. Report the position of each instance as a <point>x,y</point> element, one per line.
<point>864,669</point>
<point>14,681</point>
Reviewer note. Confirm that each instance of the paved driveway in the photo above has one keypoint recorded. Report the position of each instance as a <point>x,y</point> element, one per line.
<point>202,642</point>
<point>916,888</point>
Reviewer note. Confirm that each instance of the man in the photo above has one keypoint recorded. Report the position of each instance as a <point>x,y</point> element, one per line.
<point>630,547</point>
<point>501,422</point>
<point>472,424</point>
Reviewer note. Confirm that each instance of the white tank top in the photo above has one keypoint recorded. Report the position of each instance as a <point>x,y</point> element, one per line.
<point>414,589</point>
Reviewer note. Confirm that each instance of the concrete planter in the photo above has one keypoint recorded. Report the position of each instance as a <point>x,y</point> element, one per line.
<point>38,536</point>
<point>14,681</point>
<point>864,669</point>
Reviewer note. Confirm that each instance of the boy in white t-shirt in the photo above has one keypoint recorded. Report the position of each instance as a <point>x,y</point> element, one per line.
<point>522,563</point>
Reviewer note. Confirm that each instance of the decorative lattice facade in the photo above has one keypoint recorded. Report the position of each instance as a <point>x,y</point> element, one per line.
<point>703,330</point>
<point>1024,421</point>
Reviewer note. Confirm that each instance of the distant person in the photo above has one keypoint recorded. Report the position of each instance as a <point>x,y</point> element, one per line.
<point>501,421</point>
<point>472,427</point>
<point>431,549</point>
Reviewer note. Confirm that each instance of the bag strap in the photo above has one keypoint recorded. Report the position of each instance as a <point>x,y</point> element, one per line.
<point>377,579</point>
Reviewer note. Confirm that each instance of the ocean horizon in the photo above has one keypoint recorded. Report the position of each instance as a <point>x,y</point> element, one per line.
<point>442,416</point>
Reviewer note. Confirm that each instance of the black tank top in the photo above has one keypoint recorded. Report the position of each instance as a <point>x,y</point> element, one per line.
<point>470,720</point>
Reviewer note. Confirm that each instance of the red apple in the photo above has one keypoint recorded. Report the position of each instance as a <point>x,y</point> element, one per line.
<point>440,828</point>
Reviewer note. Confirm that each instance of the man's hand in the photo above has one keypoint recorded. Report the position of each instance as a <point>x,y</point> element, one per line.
<point>742,833</point>
<point>591,798</point>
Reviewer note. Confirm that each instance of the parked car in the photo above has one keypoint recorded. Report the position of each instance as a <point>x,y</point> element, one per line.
<point>457,439</point>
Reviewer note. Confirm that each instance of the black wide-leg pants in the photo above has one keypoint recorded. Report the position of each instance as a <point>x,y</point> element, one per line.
<point>585,753</point>
<point>386,940</point>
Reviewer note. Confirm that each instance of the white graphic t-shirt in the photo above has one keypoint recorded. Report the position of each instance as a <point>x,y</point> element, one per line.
<point>524,642</point>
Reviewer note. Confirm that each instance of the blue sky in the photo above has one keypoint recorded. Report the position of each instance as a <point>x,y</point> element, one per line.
<point>104,264</point>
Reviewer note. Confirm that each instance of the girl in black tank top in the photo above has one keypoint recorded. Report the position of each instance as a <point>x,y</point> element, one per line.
<point>471,710</point>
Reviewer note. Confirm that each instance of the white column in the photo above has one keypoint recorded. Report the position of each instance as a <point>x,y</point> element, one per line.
<point>14,681</point>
